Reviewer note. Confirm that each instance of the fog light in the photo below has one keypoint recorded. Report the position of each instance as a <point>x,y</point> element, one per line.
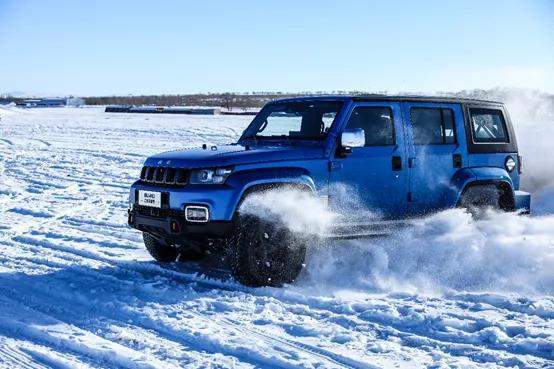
<point>197,214</point>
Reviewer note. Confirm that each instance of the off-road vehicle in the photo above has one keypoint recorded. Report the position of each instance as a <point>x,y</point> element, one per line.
<point>404,157</point>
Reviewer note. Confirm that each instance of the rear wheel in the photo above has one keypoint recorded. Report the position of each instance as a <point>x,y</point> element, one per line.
<point>265,253</point>
<point>478,198</point>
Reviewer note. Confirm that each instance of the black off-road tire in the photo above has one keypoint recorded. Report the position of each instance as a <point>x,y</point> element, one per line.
<point>478,198</point>
<point>159,250</point>
<point>265,253</point>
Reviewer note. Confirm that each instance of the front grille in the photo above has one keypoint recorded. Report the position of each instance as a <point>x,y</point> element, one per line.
<point>164,175</point>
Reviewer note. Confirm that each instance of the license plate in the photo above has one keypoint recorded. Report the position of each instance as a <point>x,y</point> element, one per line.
<point>150,198</point>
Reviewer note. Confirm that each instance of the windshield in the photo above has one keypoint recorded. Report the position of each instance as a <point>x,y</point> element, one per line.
<point>305,120</point>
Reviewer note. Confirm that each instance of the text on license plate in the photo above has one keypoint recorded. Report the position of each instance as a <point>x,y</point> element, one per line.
<point>150,198</point>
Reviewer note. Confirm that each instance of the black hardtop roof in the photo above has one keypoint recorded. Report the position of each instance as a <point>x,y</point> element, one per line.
<point>379,97</point>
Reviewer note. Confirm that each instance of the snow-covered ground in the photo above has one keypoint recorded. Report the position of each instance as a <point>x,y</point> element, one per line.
<point>78,290</point>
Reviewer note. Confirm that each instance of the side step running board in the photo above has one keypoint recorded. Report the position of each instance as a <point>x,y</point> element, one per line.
<point>360,230</point>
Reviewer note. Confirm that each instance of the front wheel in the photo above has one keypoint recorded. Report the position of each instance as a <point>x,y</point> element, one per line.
<point>265,253</point>
<point>159,249</point>
<point>165,252</point>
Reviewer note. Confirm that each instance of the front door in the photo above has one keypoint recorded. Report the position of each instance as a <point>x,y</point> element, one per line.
<point>435,153</point>
<point>375,177</point>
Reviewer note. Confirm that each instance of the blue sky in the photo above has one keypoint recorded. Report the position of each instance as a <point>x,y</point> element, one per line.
<point>142,47</point>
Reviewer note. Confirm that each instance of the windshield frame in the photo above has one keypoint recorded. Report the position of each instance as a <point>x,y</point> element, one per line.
<point>251,132</point>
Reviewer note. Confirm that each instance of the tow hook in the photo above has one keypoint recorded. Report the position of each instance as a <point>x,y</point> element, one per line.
<point>175,226</point>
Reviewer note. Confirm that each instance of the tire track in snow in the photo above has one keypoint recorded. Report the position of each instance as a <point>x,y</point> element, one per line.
<point>457,348</point>
<point>191,340</point>
<point>326,355</point>
<point>13,358</point>
<point>70,339</point>
<point>332,359</point>
<point>48,305</point>
<point>475,351</point>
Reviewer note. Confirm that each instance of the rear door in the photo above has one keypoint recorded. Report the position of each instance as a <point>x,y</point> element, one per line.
<point>435,153</point>
<point>373,177</point>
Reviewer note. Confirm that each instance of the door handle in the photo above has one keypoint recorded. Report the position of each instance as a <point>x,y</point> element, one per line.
<point>396,163</point>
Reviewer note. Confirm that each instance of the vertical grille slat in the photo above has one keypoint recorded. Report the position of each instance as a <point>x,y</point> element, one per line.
<point>181,176</point>
<point>170,175</point>
<point>149,174</point>
<point>159,176</point>
<point>164,175</point>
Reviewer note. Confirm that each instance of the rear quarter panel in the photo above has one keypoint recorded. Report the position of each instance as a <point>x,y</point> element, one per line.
<point>495,160</point>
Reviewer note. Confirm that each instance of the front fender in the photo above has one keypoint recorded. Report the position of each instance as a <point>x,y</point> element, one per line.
<point>245,180</point>
<point>476,175</point>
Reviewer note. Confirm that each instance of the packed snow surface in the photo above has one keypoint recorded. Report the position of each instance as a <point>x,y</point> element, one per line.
<point>78,289</point>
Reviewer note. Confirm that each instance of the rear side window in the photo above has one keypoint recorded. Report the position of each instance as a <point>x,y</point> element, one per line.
<point>488,126</point>
<point>377,123</point>
<point>433,126</point>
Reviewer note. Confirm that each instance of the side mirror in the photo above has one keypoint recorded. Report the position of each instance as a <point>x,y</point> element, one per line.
<point>352,138</point>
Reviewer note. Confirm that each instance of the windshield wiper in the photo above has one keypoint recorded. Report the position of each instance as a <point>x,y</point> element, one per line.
<point>279,137</point>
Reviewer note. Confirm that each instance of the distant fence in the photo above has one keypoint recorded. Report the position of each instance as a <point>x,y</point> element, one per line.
<point>172,110</point>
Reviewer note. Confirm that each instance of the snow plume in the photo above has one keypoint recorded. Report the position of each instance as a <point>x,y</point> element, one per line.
<point>298,210</point>
<point>306,214</point>
<point>526,105</point>
<point>447,251</point>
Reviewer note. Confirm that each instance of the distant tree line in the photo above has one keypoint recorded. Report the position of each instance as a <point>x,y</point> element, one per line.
<point>533,103</point>
<point>224,100</point>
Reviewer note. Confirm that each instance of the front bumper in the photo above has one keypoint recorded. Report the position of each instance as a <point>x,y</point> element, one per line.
<point>220,200</point>
<point>171,224</point>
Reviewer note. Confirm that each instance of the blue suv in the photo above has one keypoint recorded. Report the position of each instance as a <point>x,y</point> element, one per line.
<point>403,156</point>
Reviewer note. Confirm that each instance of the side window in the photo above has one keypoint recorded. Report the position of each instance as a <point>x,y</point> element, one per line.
<point>488,126</point>
<point>433,126</point>
<point>376,121</point>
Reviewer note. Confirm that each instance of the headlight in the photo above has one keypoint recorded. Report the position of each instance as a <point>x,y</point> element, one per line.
<point>210,176</point>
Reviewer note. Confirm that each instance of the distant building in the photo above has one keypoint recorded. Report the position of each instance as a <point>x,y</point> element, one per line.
<point>51,102</point>
<point>75,101</point>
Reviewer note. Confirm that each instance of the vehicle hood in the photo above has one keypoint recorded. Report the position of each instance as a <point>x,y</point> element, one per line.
<point>230,155</point>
